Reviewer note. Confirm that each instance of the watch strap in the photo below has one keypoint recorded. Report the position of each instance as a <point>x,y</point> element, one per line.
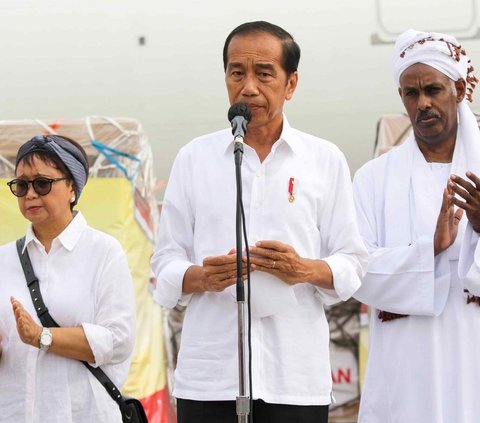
<point>45,331</point>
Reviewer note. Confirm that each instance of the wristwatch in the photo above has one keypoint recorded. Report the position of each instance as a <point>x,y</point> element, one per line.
<point>45,339</point>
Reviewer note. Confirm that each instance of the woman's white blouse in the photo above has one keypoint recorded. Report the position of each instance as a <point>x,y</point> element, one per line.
<point>85,281</point>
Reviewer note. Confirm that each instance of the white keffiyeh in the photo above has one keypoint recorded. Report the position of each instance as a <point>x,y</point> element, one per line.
<point>440,51</point>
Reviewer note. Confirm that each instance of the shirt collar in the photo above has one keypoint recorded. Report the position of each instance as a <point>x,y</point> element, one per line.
<point>68,238</point>
<point>287,137</point>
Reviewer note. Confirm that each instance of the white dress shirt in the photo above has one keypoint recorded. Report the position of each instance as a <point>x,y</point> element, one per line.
<point>290,334</point>
<point>85,281</point>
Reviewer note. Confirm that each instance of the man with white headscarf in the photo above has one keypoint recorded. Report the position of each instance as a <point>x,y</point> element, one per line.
<point>418,209</point>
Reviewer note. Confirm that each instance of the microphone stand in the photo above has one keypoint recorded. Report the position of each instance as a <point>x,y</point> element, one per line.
<point>243,400</point>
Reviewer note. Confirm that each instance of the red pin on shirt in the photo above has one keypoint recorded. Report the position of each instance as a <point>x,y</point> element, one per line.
<point>291,190</point>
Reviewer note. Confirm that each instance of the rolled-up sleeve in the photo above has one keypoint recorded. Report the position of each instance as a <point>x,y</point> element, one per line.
<point>347,256</point>
<point>111,335</point>
<point>173,252</point>
<point>168,293</point>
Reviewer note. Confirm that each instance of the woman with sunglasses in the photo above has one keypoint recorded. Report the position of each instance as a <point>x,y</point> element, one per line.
<point>86,285</point>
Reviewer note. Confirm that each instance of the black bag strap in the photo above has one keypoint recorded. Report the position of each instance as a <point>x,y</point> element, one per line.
<point>48,321</point>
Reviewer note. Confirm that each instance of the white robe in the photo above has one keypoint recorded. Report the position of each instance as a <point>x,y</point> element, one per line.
<point>424,368</point>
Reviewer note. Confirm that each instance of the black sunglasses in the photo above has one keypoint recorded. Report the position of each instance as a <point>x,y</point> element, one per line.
<point>42,186</point>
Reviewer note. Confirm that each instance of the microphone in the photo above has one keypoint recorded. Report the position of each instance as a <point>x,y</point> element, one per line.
<point>239,115</point>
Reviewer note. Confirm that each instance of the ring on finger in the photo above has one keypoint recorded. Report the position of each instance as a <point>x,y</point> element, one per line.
<point>273,264</point>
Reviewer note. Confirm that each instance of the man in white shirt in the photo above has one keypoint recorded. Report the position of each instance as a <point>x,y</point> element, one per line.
<point>419,214</point>
<point>305,248</point>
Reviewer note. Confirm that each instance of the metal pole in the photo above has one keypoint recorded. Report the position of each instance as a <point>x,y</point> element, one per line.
<point>243,400</point>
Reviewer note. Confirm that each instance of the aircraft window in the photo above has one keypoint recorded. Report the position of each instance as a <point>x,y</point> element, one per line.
<point>393,17</point>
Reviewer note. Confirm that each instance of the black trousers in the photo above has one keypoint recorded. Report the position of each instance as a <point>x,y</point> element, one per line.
<point>189,411</point>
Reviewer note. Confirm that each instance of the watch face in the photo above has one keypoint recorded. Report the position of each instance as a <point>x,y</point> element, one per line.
<point>46,339</point>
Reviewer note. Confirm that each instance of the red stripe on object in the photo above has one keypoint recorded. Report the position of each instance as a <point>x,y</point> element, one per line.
<point>291,184</point>
<point>159,408</point>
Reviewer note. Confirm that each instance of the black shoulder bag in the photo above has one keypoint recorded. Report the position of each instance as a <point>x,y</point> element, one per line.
<point>131,408</point>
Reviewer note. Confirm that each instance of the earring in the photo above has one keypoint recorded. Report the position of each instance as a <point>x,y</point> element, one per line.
<point>72,200</point>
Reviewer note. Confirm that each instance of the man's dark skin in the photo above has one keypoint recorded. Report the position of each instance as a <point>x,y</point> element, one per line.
<point>431,100</point>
